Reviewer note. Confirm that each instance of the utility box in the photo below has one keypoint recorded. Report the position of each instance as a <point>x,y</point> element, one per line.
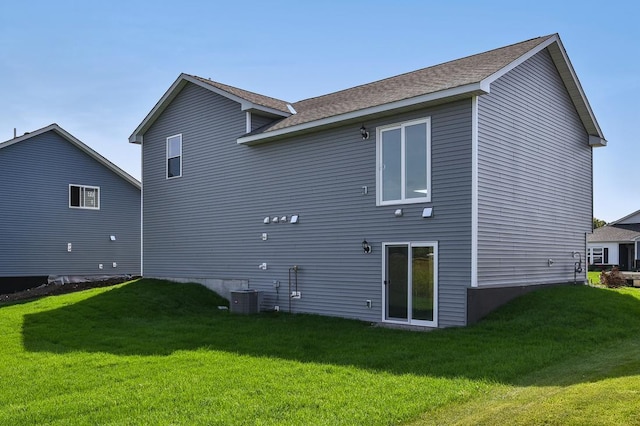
<point>245,301</point>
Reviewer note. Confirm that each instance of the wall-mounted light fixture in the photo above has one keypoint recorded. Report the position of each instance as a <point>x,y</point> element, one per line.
<point>366,248</point>
<point>427,212</point>
<point>364,133</point>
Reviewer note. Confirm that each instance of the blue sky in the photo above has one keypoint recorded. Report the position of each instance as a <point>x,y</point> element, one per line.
<point>97,68</point>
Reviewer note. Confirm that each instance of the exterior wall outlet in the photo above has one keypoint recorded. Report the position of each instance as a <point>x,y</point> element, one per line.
<point>100,266</point>
<point>115,265</point>
<point>368,304</point>
<point>263,266</point>
<point>295,295</point>
<point>276,284</point>
<point>69,247</point>
<point>264,236</point>
<point>276,308</point>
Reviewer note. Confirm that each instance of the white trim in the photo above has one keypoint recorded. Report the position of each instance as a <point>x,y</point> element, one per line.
<point>474,191</point>
<point>521,59</point>
<point>625,218</point>
<point>82,197</point>
<point>248,128</point>
<point>167,158</point>
<point>469,89</point>
<point>142,213</point>
<point>410,245</point>
<point>402,126</point>
<point>172,92</point>
<point>74,141</point>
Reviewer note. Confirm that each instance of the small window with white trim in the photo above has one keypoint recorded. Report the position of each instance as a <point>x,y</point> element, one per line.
<point>174,156</point>
<point>404,162</point>
<point>598,255</point>
<point>84,197</point>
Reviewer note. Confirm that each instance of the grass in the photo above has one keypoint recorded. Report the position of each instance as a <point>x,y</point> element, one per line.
<point>593,277</point>
<point>151,352</point>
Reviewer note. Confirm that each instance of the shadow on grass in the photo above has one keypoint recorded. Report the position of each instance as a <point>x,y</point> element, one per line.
<point>152,317</point>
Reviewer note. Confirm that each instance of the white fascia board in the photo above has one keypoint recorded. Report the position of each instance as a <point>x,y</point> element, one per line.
<point>555,45</point>
<point>85,148</point>
<point>117,170</point>
<point>624,218</point>
<point>470,89</point>
<point>575,82</point>
<point>165,100</point>
<point>502,71</point>
<point>176,87</point>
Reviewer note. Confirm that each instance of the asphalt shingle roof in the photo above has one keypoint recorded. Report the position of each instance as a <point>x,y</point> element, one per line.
<point>255,98</point>
<point>612,233</point>
<point>457,73</point>
<point>460,72</point>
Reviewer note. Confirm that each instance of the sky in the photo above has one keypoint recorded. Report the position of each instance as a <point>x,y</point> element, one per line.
<point>97,68</point>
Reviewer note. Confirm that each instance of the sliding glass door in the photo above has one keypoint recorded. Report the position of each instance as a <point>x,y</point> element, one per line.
<point>410,286</point>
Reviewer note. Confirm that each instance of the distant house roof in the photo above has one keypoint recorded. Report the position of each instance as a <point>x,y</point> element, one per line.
<point>615,233</point>
<point>630,218</point>
<point>452,80</point>
<point>69,137</point>
<point>626,229</point>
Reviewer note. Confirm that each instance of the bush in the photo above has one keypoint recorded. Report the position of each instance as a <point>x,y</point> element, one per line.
<point>613,279</point>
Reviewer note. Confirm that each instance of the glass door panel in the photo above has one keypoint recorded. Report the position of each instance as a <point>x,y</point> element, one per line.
<point>422,283</point>
<point>397,282</point>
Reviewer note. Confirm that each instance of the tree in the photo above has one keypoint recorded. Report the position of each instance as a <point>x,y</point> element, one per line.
<point>597,223</point>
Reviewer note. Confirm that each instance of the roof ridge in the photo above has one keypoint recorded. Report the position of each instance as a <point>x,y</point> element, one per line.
<point>393,77</point>
<point>214,83</point>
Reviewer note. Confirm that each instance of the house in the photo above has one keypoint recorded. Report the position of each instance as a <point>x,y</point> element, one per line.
<point>424,199</point>
<point>66,211</point>
<point>616,244</point>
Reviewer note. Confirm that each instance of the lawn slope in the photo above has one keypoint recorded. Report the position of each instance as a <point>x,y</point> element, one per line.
<point>152,352</point>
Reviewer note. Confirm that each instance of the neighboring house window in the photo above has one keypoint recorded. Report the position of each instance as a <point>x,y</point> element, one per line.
<point>598,255</point>
<point>404,162</point>
<point>84,197</point>
<point>174,156</point>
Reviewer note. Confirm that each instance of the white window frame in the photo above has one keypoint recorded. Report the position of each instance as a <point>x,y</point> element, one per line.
<point>380,165</point>
<point>83,188</point>
<point>591,255</point>
<point>411,245</point>
<point>167,158</point>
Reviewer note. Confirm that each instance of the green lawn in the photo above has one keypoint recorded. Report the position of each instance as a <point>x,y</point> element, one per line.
<point>151,352</point>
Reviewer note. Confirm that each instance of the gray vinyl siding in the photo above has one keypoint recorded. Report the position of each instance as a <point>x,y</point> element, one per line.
<point>208,223</point>
<point>258,121</point>
<point>534,178</point>
<point>37,222</point>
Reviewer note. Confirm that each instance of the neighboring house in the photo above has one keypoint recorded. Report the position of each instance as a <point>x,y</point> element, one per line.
<point>65,209</point>
<point>423,199</point>
<point>616,244</point>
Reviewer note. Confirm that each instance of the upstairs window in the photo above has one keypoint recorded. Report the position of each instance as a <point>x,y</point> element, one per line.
<point>84,197</point>
<point>404,162</point>
<point>174,156</point>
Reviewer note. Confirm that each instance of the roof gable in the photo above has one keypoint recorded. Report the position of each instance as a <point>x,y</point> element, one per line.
<point>461,78</point>
<point>632,218</point>
<point>249,101</point>
<point>76,142</point>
